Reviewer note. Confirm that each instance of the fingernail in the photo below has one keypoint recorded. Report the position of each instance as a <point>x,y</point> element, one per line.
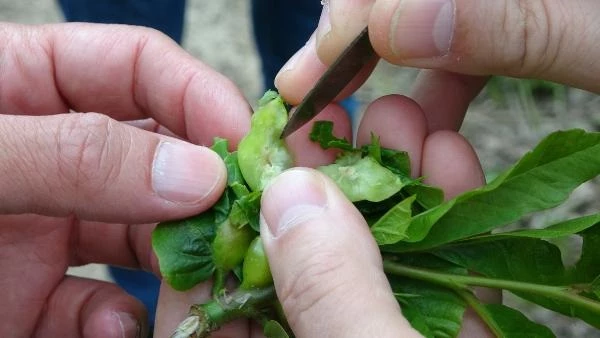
<point>185,173</point>
<point>324,26</point>
<point>295,197</point>
<point>422,28</point>
<point>128,325</point>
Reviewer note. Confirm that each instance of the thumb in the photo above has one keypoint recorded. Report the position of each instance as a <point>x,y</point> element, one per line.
<point>335,31</point>
<point>552,40</point>
<point>96,168</point>
<point>326,266</point>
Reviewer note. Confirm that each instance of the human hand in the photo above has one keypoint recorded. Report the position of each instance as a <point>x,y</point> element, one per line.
<point>78,188</point>
<point>461,42</point>
<point>173,306</point>
<point>325,263</point>
<point>326,266</point>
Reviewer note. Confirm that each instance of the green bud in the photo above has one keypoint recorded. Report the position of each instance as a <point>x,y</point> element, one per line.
<point>256,272</point>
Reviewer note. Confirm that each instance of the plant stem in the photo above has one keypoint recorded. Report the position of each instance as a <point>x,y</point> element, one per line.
<point>481,311</point>
<point>207,317</point>
<point>218,282</point>
<point>461,282</point>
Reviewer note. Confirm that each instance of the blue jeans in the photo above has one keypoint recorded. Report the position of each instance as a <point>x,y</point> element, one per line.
<point>164,15</point>
<point>281,27</point>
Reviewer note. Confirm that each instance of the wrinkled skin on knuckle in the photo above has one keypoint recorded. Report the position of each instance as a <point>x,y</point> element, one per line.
<point>535,35</point>
<point>16,152</point>
<point>89,152</point>
<point>528,34</point>
<point>319,282</point>
<point>520,38</point>
<point>24,161</point>
<point>554,25</point>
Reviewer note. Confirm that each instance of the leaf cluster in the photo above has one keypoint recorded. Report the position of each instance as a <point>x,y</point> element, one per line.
<point>436,252</point>
<point>432,252</point>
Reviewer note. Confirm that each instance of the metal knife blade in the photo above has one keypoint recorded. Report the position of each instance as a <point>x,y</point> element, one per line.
<point>333,81</point>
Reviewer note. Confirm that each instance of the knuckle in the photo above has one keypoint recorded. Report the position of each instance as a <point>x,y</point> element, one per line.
<point>321,281</point>
<point>86,155</point>
<point>533,46</point>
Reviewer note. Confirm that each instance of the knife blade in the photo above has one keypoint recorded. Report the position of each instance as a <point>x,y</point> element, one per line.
<point>332,82</point>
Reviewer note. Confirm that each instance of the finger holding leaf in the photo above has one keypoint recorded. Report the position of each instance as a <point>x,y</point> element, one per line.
<point>431,244</point>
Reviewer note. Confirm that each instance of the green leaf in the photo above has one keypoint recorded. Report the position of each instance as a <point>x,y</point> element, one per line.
<point>504,321</point>
<point>429,261</point>
<point>417,319</point>
<point>374,149</point>
<point>373,211</point>
<point>322,132</point>
<point>273,329</point>
<point>220,146</point>
<point>518,259</point>
<point>237,272</point>
<point>239,189</point>
<point>363,178</point>
<point>513,324</point>
<point>537,265</point>
<point>588,267</point>
<point>596,287</point>
<point>391,227</point>
<point>396,161</point>
<point>432,310</point>
<point>223,206</point>
<point>427,196</point>
<point>246,210</point>
<point>561,229</point>
<point>542,179</point>
<point>234,174</point>
<point>183,249</point>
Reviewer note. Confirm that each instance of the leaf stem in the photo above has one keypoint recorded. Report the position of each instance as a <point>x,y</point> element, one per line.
<point>480,310</point>
<point>207,317</point>
<point>218,282</point>
<point>461,282</point>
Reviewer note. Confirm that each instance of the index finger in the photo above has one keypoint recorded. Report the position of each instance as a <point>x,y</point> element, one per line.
<point>297,77</point>
<point>123,71</point>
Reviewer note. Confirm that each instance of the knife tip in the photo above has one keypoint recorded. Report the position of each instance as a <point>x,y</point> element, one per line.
<point>286,132</point>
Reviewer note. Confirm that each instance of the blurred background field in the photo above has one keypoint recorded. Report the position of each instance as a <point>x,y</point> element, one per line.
<point>506,120</point>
